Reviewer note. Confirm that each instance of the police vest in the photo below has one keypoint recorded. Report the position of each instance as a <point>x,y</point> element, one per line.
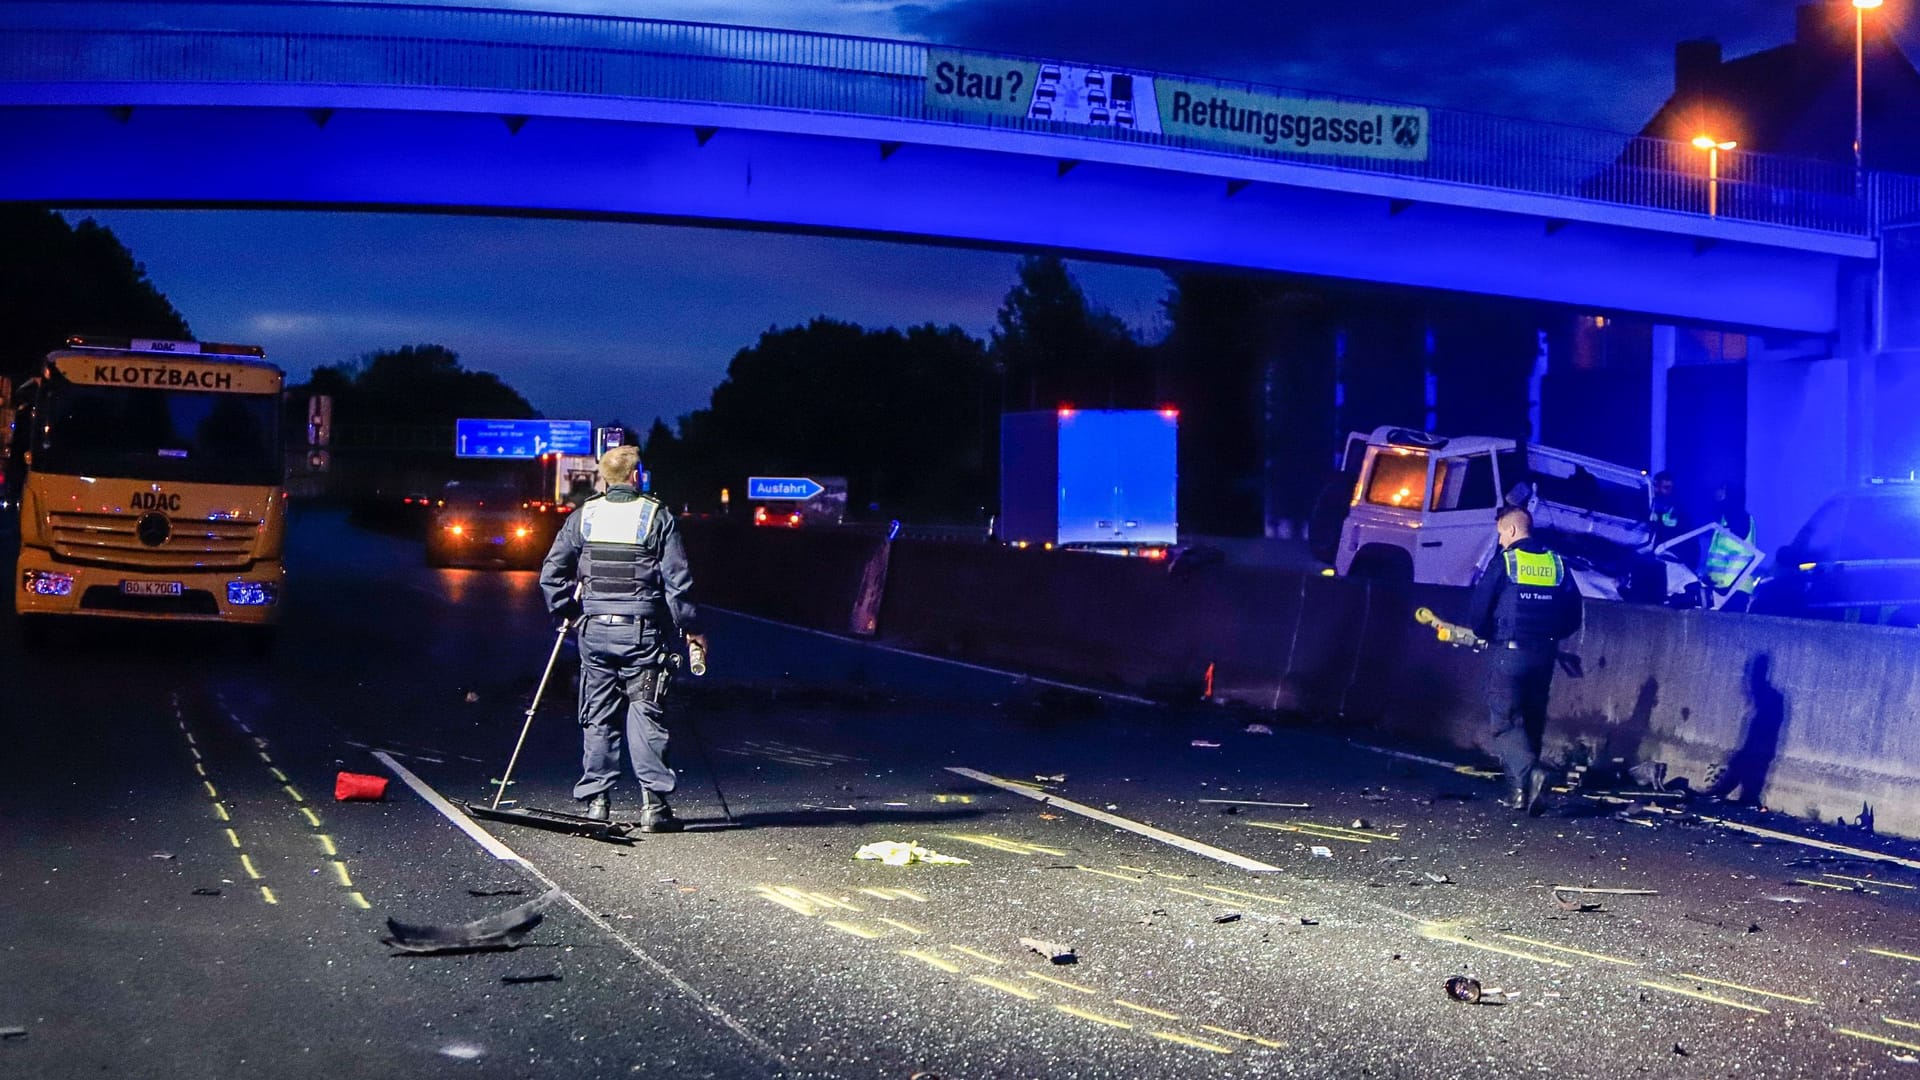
<point>1726,558</point>
<point>618,559</point>
<point>1530,608</point>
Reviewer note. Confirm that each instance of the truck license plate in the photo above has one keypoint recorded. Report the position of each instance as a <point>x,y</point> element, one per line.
<point>150,588</point>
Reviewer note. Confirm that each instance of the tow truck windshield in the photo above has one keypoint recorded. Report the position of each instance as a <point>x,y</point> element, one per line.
<point>159,435</point>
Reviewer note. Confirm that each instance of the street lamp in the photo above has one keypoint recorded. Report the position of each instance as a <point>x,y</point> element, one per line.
<point>1713,147</point>
<point>1860,77</point>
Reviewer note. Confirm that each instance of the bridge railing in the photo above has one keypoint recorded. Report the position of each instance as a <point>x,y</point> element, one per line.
<point>105,41</point>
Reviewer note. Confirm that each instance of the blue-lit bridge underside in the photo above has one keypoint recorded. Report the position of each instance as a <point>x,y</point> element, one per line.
<point>455,150</point>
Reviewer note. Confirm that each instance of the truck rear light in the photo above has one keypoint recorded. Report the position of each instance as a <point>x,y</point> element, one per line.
<point>252,593</point>
<point>47,583</point>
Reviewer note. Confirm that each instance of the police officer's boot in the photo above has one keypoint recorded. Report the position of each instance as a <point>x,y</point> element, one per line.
<point>655,815</point>
<point>600,808</point>
<point>1536,787</point>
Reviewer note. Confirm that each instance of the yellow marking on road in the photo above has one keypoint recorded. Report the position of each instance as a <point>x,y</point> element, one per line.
<point>999,843</point>
<point>221,812</point>
<point>1881,1039</point>
<point>267,895</point>
<point>1750,989</point>
<point>1244,1037</point>
<point>190,740</point>
<point>294,794</point>
<point>1144,1009</point>
<point>770,892</point>
<point>1248,895</point>
<point>1826,885</point>
<point>1871,881</point>
<point>1602,957</point>
<point>1439,932</point>
<point>212,792</point>
<point>1095,1017</point>
<point>1895,955</point>
<point>1006,987</point>
<point>246,861</point>
<point>1109,873</point>
<point>953,798</point>
<point>898,925</point>
<point>360,901</point>
<point>1073,986</point>
<point>1188,1040</point>
<point>1303,831</point>
<point>201,769</point>
<point>1683,991</point>
<point>264,757</point>
<point>313,819</point>
<point>326,846</point>
<point>1155,873</point>
<point>1199,895</point>
<point>1901,1023</point>
<point>854,928</point>
<point>978,955</point>
<point>895,894</point>
<point>1370,834</point>
<point>932,960</point>
<point>233,838</point>
<point>194,752</point>
<point>340,871</point>
<point>280,776</point>
<point>1470,770</point>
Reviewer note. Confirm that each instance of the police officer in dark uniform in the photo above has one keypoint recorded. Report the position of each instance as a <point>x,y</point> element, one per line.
<point>1524,603</point>
<point>618,566</point>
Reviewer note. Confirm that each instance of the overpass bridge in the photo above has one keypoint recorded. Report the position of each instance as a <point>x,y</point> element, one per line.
<point>106,103</point>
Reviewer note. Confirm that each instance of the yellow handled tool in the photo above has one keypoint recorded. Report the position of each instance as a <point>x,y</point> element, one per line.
<point>1450,633</point>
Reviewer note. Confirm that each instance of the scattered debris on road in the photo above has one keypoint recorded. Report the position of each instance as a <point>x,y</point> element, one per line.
<point>1205,745</point>
<point>1055,778</point>
<point>1322,852</point>
<point>1231,916</point>
<point>1468,989</point>
<point>522,980</point>
<point>818,806</point>
<point>350,786</point>
<point>509,891</point>
<point>1052,950</point>
<point>503,931</point>
<point>897,853</point>
<point>163,855</point>
<point>1257,802</point>
<point>1258,729</point>
<point>206,892</point>
<point>11,1033</point>
<point>1561,893</point>
<point>473,697</point>
<point>1439,879</point>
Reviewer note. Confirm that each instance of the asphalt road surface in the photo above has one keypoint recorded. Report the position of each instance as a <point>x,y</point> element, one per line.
<point>180,895</point>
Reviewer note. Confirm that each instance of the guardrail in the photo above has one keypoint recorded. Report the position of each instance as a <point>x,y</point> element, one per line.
<point>467,48</point>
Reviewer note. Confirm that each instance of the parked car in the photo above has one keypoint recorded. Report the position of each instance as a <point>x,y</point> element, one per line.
<point>480,524</point>
<point>1857,559</point>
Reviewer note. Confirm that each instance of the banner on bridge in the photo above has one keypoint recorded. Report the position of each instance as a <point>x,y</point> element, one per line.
<point>1101,97</point>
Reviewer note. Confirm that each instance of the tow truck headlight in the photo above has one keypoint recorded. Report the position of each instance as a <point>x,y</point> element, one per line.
<point>252,593</point>
<point>47,583</point>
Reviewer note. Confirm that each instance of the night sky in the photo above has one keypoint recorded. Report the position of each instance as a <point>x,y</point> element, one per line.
<point>598,320</point>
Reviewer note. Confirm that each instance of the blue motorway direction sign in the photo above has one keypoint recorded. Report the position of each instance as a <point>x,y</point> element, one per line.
<point>521,438</point>
<point>782,487</point>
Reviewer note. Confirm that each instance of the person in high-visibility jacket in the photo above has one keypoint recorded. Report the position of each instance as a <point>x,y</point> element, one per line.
<point>1523,605</point>
<point>1726,555</point>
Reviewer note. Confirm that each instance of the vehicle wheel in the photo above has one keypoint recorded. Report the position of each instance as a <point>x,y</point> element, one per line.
<point>1378,562</point>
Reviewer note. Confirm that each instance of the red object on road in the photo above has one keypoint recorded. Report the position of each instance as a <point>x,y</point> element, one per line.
<point>353,785</point>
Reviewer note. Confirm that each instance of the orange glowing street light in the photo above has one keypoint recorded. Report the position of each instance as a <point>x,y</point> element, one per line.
<point>1713,147</point>
<point>1860,9</point>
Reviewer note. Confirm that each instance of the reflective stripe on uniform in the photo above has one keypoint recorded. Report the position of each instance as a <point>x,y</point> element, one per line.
<point>603,521</point>
<point>1726,558</point>
<point>1534,568</point>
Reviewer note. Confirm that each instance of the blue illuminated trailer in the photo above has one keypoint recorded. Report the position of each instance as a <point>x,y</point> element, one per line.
<point>1103,480</point>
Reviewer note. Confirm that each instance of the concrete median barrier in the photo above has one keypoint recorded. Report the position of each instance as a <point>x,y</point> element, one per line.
<point>1820,720</point>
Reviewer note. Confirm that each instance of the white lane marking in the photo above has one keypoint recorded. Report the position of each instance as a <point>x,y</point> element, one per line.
<point>449,811</point>
<point>1135,827</point>
<point>502,852</point>
<point>897,651</point>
